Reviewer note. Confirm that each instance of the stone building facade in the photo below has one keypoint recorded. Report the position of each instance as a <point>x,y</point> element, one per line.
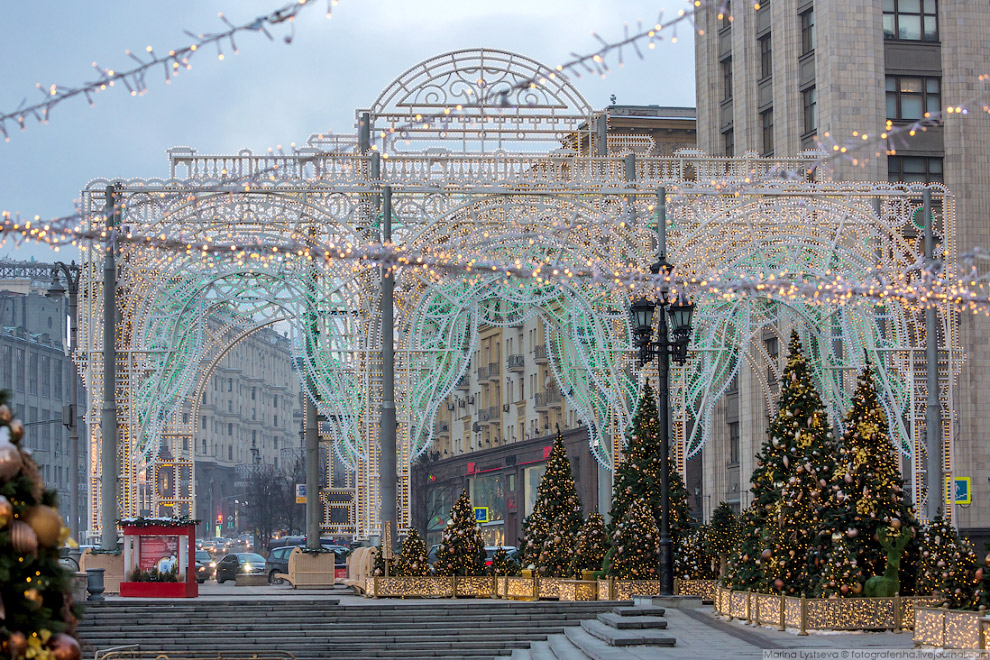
<point>794,74</point>
<point>38,373</point>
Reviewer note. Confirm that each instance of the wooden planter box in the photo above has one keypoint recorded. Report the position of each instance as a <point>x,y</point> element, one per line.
<point>159,589</point>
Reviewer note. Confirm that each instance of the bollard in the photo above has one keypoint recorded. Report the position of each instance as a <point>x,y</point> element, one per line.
<point>94,584</point>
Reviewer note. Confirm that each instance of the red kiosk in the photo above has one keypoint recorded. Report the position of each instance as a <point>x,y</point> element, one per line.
<point>161,554</point>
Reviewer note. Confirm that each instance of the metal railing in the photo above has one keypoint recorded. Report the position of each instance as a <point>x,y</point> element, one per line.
<point>515,362</point>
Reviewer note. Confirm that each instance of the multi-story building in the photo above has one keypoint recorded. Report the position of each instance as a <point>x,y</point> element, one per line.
<point>38,374</point>
<point>249,415</point>
<point>783,76</point>
<point>493,435</point>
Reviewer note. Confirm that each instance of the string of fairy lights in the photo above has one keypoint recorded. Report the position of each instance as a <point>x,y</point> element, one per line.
<point>939,289</point>
<point>134,79</point>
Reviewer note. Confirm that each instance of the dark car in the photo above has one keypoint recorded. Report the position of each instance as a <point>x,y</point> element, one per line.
<point>239,562</point>
<point>205,566</point>
<point>278,561</point>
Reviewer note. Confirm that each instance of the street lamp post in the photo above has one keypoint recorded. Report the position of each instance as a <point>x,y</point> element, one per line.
<point>71,272</point>
<point>670,344</point>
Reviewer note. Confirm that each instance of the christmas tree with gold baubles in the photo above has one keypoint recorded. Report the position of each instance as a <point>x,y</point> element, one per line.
<point>947,565</point>
<point>37,617</point>
<point>556,516</point>
<point>866,494</point>
<point>590,546</point>
<point>635,553</point>
<point>413,560</point>
<point>461,550</point>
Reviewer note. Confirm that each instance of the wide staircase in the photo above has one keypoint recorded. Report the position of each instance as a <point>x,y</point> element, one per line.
<point>322,628</point>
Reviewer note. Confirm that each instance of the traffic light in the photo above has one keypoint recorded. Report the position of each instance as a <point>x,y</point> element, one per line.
<point>219,518</point>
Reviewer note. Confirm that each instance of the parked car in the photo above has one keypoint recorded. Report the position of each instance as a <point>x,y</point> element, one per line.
<point>205,566</point>
<point>511,551</point>
<point>239,562</point>
<point>278,561</point>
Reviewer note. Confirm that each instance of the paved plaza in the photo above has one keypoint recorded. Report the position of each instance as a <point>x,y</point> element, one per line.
<point>699,632</point>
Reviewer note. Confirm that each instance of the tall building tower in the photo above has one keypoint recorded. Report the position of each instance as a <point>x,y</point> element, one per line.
<point>782,76</point>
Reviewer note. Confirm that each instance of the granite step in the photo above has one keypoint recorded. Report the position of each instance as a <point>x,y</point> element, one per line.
<point>615,637</point>
<point>620,622</point>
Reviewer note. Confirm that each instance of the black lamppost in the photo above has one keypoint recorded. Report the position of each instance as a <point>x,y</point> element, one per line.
<point>71,272</point>
<point>672,344</point>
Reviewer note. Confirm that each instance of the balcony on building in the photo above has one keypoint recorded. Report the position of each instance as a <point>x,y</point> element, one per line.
<point>540,354</point>
<point>516,363</point>
<point>548,398</point>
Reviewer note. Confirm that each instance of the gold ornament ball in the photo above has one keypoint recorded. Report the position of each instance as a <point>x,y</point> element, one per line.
<point>34,596</point>
<point>46,523</point>
<point>10,460</point>
<point>17,644</point>
<point>895,523</point>
<point>6,511</point>
<point>65,647</point>
<point>23,538</point>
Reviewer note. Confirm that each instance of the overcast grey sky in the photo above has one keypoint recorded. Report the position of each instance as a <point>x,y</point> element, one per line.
<point>271,93</point>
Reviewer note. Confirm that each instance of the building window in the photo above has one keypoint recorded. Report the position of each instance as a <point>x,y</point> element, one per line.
<point>810,98</point>
<point>766,57</point>
<point>32,373</point>
<point>910,20</point>
<point>727,79</point>
<point>725,14</point>
<point>230,452</point>
<point>254,391</point>
<point>230,384</point>
<point>204,424</point>
<point>766,124</point>
<point>734,443</point>
<point>911,97</point>
<point>204,446</point>
<point>729,142</point>
<point>914,169</point>
<point>230,429</point>
<point>807,31</point>
<point>275,420</point>
<point>185,418</point>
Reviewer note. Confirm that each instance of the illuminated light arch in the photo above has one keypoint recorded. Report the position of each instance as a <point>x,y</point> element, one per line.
<point>445,198</point>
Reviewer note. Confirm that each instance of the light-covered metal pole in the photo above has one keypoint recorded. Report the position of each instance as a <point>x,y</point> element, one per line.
<point>386,432</point>
<point>933,408</point>
<point>109,471</point>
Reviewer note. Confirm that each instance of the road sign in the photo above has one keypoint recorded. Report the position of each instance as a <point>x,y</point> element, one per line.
<point>962,490</point>
<point>481,514</point>
<point>300,493</point>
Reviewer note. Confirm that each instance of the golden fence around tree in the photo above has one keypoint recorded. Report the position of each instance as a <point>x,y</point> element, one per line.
<point>951,629</point>
<point>782,612</point>
<point>528,588</point>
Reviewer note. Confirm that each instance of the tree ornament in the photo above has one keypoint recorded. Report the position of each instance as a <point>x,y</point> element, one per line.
<point>65,647</point>
<point>767,553</point>
<point>17,644</point>
<point>895,523</point>
<point>34,596</point>
<point>10,456</point>
<point>22,538</point>
<point>46,523</point>
<point>6,513</point>
<point>852,532</point>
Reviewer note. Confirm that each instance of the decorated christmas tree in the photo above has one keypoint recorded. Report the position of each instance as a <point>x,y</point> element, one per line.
<point>840,575</point>
<point>866,492</point>
<point>637,479</point>
<point>590,546</point>
<point>557,509</point>
<point>692,559</point>
<point>461,551</point>
<point>745,564</point>
<point>982,577</point>
<point>503,564</point>
<point>947,566</point>
<point>412,560</point>
<point>792,473</point>
<point>37,618</point>
<point>635,553</point>
<point>558,550</point>
<point>722,536</point>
